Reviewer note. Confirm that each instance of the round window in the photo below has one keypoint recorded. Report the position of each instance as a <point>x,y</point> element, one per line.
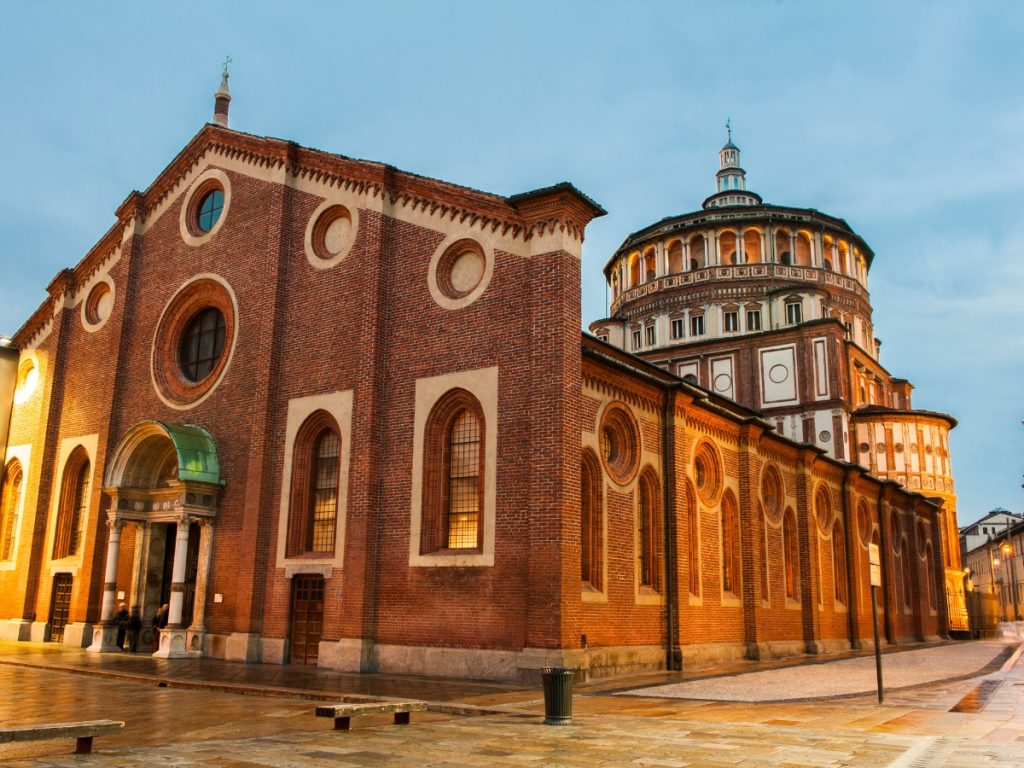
<point>194,341</point>
<point>707,473</point>
<point>772,493</point>
<point>211,205</point>
<point>459,273</point>
<point>202,344</point>
<point>620,443</point>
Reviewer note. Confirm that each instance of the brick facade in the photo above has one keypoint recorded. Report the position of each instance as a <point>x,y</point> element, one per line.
<point>348,297</point>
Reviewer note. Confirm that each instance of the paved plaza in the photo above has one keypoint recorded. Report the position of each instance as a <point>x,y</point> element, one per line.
<point>963,706</point>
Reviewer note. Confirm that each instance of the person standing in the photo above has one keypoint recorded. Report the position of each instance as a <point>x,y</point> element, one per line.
<point>121,621</point>
<point>159,622</point>
<point>134,629</point>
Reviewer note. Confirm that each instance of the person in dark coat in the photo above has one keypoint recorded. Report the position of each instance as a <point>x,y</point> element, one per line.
<point>159,622</point>
<point>134,629</point>
<point>121,622</point>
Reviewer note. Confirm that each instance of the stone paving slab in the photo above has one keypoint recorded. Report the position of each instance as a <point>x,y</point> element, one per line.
<point>842,678</point>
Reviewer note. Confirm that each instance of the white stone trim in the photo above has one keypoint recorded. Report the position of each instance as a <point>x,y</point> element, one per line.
<point>73,563</point>
<point>443,300</point>
<point>82,298</point>
<point>351,204</point>
<point>22,453</point>
<point>339,406</point>
<point>154,352</point>
<point>482,383</point>
<point>186,203</point>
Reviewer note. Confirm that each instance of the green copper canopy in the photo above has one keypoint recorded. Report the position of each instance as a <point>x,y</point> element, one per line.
<point>197,455</point>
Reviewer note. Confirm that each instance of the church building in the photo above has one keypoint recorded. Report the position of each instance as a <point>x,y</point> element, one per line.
<point>333,413</point>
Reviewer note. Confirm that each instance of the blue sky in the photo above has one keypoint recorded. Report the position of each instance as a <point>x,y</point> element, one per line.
<point>904,120</point>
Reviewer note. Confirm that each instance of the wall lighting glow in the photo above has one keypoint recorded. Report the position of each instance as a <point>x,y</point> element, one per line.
<point>28,378</point>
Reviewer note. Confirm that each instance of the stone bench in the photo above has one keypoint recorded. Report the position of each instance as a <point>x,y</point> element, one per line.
<point>343,712</point>
<point>83,732</point>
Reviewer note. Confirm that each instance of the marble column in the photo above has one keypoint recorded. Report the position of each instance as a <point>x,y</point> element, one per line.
<point>197,632</point>
<point>104,636</point>
<point>173,637</point>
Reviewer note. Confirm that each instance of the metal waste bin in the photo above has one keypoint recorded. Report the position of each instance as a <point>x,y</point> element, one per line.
<point>557,695</point>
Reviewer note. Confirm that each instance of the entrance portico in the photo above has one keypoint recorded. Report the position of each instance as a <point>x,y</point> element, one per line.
<point>163,478</point>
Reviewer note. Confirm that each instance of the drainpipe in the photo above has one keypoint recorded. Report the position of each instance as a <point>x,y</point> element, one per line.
<point>849,531</point>
<point>883,543</point>
<point>668,453</point>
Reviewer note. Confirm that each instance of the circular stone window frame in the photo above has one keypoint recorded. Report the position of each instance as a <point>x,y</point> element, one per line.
<point>90,321</point>
<point>188,216</point>
<point>621,469</point>
<point>710,492</point>
<point>825,518</point>
<point>773,508</point>
<point>441,290</point>
<point>316,228</point>
<point>195,294</point>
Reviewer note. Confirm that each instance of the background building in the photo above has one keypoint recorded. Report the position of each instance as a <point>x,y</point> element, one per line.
<point>768,305</point>
<point>334,413</point>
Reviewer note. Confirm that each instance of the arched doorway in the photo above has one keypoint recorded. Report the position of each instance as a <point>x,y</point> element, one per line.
<point>164,479</point>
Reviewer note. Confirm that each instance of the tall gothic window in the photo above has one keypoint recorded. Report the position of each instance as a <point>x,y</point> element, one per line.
<point>790,550</point>
<point>10,496</point>
<point>74,500</point>
<point>730,546</point>
<point>839,563</point>
<point>453,475</point>
<point>692,527</point>
<point>313,507</point>
<point>590,521</point>
<point>647,531</point>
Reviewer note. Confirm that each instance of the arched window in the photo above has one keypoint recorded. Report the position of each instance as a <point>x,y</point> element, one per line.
<point>316,469</point>
<point>650,266</point>
<point>453,475</point>
<point>590,521</point>
<point>906,563</point>
<point>648,531</point>
<point>929,569</point>
<point>839,563</point>
<point>730,545</point>
<point>790,552</point>
<point>692,528</point>
<point>782,247</point>
<point>763,552</point>
<point>634,270</point>
<point>698,253</point>
<point>727,247</point>
<point>675,257</point>
<point>10,496</point>
<point>74,501</point>
<point>752,247</point>
<point>803,249</point>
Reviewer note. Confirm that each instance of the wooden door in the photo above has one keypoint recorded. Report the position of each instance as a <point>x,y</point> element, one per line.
<point>60,606</point>
<point>307,618</point>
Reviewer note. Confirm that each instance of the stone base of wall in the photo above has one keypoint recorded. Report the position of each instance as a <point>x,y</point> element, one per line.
<point>777,649</point>
<point>345,655</point>
<point>79,634</point>
<point>236,646</point>
<point>829,645</point>
<point>704,654</point>
<point>15,629</point>
<point>39,632</point>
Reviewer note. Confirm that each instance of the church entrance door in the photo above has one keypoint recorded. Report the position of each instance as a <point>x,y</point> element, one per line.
<point>60,606</point>
<point>307,618</point>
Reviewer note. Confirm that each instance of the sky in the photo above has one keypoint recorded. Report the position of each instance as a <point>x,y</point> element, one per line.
<point>905,119</point>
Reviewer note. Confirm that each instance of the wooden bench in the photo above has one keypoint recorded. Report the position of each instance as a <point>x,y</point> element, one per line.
<point>83,732</point>
<point>343,712</point>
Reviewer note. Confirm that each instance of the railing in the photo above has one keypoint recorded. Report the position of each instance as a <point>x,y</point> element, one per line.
<point>784,273</point>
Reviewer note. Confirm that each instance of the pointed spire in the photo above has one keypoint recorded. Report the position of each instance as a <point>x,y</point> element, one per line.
<point>731,178</point>
<point>222,98</point>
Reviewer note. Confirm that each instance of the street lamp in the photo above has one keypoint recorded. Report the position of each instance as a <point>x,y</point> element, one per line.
<point>1007,550</point>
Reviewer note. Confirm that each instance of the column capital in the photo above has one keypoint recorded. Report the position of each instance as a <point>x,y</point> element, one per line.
<point>115,524</point>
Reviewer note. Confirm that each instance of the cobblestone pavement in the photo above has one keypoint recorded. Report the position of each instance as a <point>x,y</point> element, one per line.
<point>172,726</point>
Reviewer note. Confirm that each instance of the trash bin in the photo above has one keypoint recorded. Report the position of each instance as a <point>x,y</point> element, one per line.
<point>557,695</point>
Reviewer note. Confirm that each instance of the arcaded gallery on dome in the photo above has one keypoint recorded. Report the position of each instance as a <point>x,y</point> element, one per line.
<point>236,405</point>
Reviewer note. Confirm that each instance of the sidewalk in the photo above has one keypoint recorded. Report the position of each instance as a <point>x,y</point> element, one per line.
<point>184,714</point>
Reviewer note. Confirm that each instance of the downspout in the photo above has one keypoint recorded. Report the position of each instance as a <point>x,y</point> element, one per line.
<point>849,530</point>
<point>883,543</point>
<point>668,452</point>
